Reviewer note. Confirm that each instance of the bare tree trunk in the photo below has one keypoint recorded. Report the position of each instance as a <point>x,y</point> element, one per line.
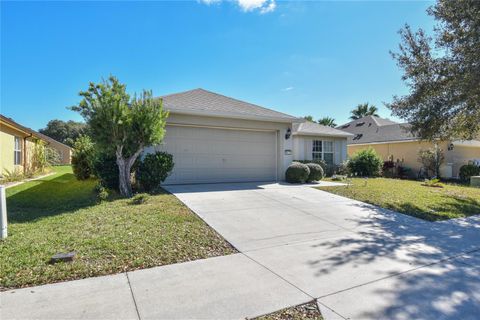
<point>124,168</point>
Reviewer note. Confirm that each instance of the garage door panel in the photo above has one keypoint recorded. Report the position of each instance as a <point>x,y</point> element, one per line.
<point>203,155</point>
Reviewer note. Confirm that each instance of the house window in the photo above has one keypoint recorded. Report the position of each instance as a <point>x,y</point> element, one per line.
<point>322,150</point>
<point>317,150</point>
<point>328,152</point>
<point>17,151</point>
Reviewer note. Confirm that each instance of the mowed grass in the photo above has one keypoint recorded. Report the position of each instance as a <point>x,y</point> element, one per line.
<point>60,214</point>
<point>411,198</point>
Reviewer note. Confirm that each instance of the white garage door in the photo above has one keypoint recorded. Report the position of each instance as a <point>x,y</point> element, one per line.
<point>205,155</point>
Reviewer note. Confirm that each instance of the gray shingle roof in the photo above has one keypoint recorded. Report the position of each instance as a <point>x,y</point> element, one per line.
<point>372,129</point>
<point>203,102</point>
<point>315,129</point>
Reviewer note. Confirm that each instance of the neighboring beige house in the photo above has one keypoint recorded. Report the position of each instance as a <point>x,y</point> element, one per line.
<point>394,140</point>
<point>214,138</point>
<point>17,145</point>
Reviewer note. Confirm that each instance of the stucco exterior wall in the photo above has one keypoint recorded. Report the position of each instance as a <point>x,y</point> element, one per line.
<point>302,146</point>
<point>7,145</point>
<point>408,153</point>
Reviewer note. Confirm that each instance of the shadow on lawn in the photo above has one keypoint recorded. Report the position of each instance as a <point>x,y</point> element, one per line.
<point>446,289</point>
<point>51,197</point>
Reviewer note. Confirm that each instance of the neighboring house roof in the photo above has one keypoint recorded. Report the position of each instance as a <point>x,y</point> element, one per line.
<point>26,130</point>
<point>373,129</point>
<point>205,103</point>
<point>309,128</point>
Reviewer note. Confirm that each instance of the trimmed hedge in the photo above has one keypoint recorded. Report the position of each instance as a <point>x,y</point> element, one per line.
<point>297,173</point>
<point>316,172</point>
<point>468,170</point>
<point>154,169</point>
<point>366,163</point>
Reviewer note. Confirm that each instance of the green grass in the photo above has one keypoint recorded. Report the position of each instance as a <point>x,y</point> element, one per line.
<point>60,214</point>
<point>410,197</point>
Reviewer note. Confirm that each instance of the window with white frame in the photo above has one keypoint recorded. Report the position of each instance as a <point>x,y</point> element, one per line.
<point>322,150</point>
<point>17,151</point>
<point>317,150</point>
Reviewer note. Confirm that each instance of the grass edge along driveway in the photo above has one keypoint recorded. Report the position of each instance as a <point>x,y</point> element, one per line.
<point>412,198</point>
<point>60,214</point>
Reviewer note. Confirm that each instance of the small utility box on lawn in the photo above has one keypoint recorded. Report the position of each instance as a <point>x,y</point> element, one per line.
<point>475,181</point>
<point>3,213</point>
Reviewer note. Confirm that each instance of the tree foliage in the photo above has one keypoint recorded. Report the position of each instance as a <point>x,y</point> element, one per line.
<point>327,121</point>
<point>64,131</point>
<point>431,160</point>
<point>309,118</point>
<point>443,73</point>
<point>82,157</point>
<point>363,110</point>
<point>122,124</point>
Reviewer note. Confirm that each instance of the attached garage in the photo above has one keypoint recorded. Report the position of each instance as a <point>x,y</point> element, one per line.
<point>210,154</point>
<point>216,139</point>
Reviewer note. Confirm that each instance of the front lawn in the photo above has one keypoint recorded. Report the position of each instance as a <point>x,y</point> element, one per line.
<point>410,197</point>
<point>60,214</point>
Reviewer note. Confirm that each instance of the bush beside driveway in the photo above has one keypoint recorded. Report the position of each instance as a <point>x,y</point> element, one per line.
<point>60,214</point>
<point>413,198</point>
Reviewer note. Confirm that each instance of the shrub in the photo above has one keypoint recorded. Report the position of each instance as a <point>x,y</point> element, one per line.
<point>12,176</point>
<point>139,199</point>
<point>82,157</point>
<point>102,192</point>
<point>342,168</point>
<point>468,170</point>
<point>316,172</point>
<point>297,173</point>
<point>154,169</point>
<point>431,159</point>
<point>106,170</point>
<point>52,156</point>
<point>366,163</point>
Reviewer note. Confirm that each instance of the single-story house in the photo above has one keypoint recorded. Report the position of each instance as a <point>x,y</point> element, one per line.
<point>214,138</point>
<point>17,143</point>
<point>395,141</point>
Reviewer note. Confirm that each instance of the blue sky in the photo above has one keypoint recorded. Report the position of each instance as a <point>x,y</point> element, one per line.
<point>318,58</point>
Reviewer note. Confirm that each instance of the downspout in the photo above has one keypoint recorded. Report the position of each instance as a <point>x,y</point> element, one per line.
<point>25,152</point>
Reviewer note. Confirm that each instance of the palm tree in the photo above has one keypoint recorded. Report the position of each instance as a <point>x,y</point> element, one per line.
<point>327,121</point>
<point>363,110</point>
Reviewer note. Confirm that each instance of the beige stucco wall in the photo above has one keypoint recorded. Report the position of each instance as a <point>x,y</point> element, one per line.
<point>408,153</point>
<point>7,144</point>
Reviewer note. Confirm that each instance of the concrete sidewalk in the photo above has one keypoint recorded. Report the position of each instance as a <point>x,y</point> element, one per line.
<point>297,244</point>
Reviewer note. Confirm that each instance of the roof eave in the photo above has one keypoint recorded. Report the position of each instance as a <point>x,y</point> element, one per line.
<point>318,134</point>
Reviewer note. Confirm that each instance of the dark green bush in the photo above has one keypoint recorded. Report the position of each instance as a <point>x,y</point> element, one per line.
<point>468,170</point>
<point>153,170</point>
<point>297,173</point>
<point>316,172</point>
<point>366,163</point>
<point>105,169</point>
<point>82,157</point>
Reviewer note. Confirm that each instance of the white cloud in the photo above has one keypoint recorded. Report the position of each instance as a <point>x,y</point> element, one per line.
<point>287,89</point>
<point>263,6</point>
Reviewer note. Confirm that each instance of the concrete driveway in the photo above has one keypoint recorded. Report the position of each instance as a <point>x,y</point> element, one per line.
<point>358,260</point>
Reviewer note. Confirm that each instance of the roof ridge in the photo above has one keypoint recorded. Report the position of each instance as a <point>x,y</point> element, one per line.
<point>242,101</point>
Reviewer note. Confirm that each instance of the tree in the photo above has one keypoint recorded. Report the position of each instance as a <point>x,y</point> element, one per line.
<point>363,110</point>
<point>309,118</point>
<point>327,121</point>
<point>64,131</point>
<point>121,124</point>
<point>431,159</point>
<point>442,73</point>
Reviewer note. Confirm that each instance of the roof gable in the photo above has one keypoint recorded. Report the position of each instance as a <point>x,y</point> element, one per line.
<point>315,129</point>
